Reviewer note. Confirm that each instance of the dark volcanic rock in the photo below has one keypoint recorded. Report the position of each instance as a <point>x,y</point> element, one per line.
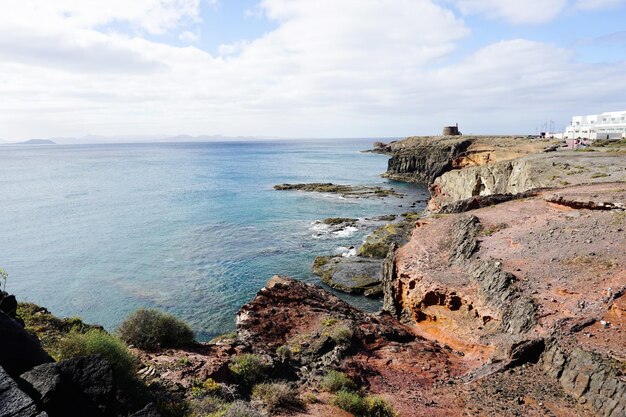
<point>82,386</point>
<point>425,161</point>
<point>19,350</point>
<point>45,385</point>
<point>13,401</point>
<point>8,304</point>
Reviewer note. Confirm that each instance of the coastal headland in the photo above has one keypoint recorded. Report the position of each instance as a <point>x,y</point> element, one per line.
<point>506,297</point>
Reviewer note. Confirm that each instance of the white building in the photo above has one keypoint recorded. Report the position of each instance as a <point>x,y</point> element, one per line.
<point>610,125</point>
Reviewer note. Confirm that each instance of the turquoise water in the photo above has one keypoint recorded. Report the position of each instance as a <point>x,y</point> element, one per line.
<point>97,231</point>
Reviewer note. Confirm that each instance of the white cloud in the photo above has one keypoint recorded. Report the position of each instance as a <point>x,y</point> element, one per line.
<point>330,68</point>
<point>516,12</point>
<point>232,48</point>
<point>188,36</point>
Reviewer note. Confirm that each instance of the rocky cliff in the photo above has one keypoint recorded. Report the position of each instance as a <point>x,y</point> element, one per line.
<point>545,170</point>
<point>539,279</point>
<point>422,159</point>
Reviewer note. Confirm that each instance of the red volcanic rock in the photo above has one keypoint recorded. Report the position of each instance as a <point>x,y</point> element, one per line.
<point>503,284</point>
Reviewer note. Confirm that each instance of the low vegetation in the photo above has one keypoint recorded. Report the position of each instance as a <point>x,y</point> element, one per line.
<point>489,230</point>
<point>335,381</point>
<point>99,342</point>
<point>369,406</point>
<point>150,329</point>
<point>341,334</point>
<point>47,327</point>
<point>207,406</point>
<point>240,409</point>
<point>277,396</point>
<point>599,175</point>
<point>350,402</point>
<point>248,369</point>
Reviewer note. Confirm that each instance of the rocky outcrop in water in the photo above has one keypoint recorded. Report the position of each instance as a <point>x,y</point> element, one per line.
<point>347,191</point>
<point>352,275</point>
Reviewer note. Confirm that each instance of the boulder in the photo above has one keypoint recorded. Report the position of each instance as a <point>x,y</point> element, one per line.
<point>353,275</point>
<point>19,350</point>
<point>13,401</point>
<point>82,386</point>
<point>8,304</point>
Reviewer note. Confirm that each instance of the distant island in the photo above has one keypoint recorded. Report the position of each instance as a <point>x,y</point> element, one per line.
<point>35,142</point>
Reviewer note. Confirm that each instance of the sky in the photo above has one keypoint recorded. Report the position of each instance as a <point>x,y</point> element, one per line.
<point>302,68</point>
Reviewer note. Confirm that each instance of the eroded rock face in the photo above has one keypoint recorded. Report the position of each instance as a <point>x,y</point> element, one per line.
<point>588,377</point>
<point>425,160</point>
<point>422,159</point>
<point>541,277</point>
<point>514,177</point>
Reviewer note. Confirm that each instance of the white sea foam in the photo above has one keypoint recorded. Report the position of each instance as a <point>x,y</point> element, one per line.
<point>347,232</point>
<point>346,252</point>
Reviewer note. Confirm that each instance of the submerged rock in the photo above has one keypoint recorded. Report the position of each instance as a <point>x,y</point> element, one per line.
<point>379,242</point>
<point>353,274</point>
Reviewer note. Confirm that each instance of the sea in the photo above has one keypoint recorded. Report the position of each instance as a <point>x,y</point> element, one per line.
<point>195,229</point>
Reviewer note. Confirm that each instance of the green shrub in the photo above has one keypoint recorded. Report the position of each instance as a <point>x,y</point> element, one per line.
<point>99,342</point>
<point>350,402</point>
<point>152,329</point>
<point>283,353</point>
<point>248,368</point>
<point>277,396</point>
<point>335,381</point>
<point>173,408</point>
<point>310,398</point>
<point>376,406</point>
<point>342,335</point>
<point>224,337</point>
<point>329,321</point>
<point>48,328</point>
<point>370,406</point>
<point>207,406</point>
<point>242,409</point>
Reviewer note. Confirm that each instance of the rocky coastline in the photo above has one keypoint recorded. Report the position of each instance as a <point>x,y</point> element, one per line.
<point>507,297</point>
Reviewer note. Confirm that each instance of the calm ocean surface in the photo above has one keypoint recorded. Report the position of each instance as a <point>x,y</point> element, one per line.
<point>97,231</point>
